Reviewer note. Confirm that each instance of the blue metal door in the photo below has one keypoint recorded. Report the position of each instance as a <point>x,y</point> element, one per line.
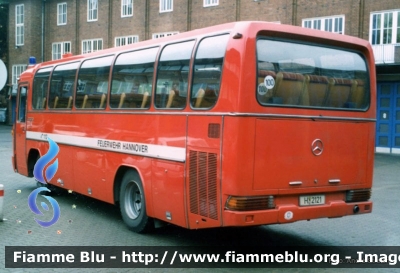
<point>396,121</point>
<point>388,118</point>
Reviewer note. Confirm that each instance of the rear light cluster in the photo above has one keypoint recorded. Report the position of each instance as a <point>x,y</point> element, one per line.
<point>358,195</point>
<point>248,203</point>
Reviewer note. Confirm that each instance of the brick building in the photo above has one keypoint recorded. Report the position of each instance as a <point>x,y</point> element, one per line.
<point>48,29</point>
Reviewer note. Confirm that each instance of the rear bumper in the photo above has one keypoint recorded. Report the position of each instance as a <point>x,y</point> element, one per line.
<point>291,213</point>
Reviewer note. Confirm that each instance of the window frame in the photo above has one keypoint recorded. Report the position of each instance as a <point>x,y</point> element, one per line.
<point>321,23</point>
<point>163,34</point>
<point>17,70</point>
<point>20,25</point>
<point>92,12</point>
<point>166,6</point>
<point>65,47</point>
<point>91,45</point>
<point>210,3</point>
<point>125,39</point>
<point>63,14</point>
<point>378,32</point>
<point>125,6</point>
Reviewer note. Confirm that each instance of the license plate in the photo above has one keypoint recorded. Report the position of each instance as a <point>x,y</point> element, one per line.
<point>312,200</point>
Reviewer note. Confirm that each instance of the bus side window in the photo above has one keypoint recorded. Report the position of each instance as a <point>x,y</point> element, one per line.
<point>207,71</point>
<point>40,86</point>
<point>62,82</point>
<point>132,79</point>
<point>172,75</point>
<point>92,85</point>
<point>22,104</point>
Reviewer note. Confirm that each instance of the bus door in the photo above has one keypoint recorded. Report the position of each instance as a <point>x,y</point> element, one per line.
<point>20,130</point>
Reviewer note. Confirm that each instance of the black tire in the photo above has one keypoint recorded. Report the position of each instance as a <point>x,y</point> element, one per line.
<point>132,203</point>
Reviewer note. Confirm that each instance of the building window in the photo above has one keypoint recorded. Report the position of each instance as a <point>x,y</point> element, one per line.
<point>210,3</point>
<point>126,40</point>
<point>164,34</point>
<point>19,25</point>
<point>94,45</point>
<point>92,10</point>
<point>384,35</point>
<point>126,8</point>
<point>385,28</point>
<point>59,49</point>
<point>61,14</point>
<point>398,28</point>
<point>166,5</point>
<point>16,72</point>
<point>333,24</point>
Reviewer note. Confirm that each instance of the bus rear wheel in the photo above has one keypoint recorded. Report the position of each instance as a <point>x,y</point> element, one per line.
<point>133,203</point>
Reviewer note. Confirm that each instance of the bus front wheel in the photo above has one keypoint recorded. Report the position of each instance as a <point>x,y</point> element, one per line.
<point>133,203</point>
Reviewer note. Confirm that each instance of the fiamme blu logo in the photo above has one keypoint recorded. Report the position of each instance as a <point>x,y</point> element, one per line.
<point>43,173</point>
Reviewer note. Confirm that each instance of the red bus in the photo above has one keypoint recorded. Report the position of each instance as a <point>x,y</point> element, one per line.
<point>241,124</point>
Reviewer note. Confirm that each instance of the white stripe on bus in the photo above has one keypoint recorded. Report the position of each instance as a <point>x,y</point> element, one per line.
<point>135,148</point>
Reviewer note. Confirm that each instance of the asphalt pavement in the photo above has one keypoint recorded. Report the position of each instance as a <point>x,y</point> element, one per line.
<point>88,222</point>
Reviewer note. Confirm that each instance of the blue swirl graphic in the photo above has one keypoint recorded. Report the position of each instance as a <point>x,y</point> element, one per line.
<point>50,171</point>
<point>32,205</point>
<point>44,160</point>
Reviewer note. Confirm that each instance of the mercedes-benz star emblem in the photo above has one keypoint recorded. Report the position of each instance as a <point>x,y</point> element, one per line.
<point>317,147</point>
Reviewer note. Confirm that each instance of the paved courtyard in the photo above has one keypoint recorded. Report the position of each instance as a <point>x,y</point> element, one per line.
<point>88,222</point>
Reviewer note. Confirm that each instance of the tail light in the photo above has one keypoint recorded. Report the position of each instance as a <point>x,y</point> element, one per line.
<point>248,203</point>
<point>358,195</point>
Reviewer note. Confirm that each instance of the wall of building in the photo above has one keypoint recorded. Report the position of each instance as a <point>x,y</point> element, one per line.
<point>208,16</point>
<point>32,37</point>
<point>267,10</point>
<point>133,25</point>
<point>168,21</point>
<point>61,33</point>
<point>95,29</point>
<point>322,8</point>
<point>147,19</point>
<point>186,15</point>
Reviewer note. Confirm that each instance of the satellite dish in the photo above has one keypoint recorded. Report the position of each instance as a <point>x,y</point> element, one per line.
<point>3,74</point>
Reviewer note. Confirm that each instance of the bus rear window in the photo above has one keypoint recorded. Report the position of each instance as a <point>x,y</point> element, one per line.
<point>305,75</point>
